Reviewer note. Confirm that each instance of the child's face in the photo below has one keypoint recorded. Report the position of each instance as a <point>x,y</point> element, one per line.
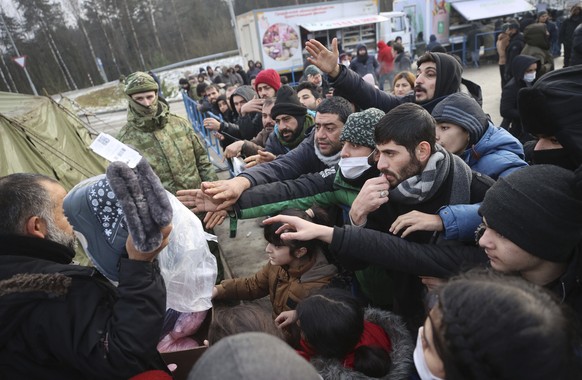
<point>279,254</point>
<point>222,106</point>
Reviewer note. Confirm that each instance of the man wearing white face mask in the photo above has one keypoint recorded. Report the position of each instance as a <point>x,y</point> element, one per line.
<point>328,187</point>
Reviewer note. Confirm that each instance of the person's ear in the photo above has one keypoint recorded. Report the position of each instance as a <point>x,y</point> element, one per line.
<point>300,252</point>
<point>36,226</point>
<point>423,151</point>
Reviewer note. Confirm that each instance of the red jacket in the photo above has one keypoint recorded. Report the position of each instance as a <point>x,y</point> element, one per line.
<point>385,58</point>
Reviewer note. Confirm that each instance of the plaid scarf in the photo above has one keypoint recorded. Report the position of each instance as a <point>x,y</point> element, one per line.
<point>423,186</point>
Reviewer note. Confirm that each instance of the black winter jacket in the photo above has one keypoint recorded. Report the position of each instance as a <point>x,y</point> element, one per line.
<point>516,44</point>
<point>61,321</point>
<point>350,86</point>
<point>301,160</point>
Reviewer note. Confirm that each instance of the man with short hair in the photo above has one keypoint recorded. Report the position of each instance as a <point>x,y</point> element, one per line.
<point>63,321</point>
<point>247,148</point>
<point>208,103</point>
<point>438,75</point>
<point>309,95</point>
<point>319,151</point>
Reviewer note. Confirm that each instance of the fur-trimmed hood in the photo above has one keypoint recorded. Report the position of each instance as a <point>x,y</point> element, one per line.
<point>18,292</point>
<point>401,355</point>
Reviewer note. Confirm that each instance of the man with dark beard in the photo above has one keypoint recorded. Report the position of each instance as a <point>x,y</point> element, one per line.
<point>438,75</point>
<point>66,321</point>
<point>418,178</point>
<point>292,122</point>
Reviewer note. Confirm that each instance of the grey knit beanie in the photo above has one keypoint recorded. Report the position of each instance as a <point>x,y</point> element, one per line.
<point>462,110</point>
<point>538,208</point>
<point>359,127</point>
<point>311,70</point>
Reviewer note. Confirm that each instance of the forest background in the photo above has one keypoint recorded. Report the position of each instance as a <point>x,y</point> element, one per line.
<point>66,41</point>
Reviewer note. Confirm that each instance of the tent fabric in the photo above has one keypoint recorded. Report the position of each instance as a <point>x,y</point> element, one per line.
<point>482,9</point>
<point>38,135</point>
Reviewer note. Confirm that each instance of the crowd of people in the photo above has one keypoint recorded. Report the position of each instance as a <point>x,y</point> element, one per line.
<point>407,235</point>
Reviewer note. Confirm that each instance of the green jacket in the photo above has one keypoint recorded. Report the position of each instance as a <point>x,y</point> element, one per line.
<point>175,152</point>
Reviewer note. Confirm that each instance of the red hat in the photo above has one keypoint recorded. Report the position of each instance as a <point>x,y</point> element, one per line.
<point>269,77</point>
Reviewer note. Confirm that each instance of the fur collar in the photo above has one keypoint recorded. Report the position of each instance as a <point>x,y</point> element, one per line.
<point>402,349</point>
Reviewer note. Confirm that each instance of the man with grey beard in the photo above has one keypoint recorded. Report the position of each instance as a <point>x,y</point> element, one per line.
<point>66,321</point>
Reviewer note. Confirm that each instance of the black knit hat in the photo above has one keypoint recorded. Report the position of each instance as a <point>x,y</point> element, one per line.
<point>552,107</point>
<point>538,208</point>
<point>287,103</point>
<point>359,127</point>
<point>462,110</point>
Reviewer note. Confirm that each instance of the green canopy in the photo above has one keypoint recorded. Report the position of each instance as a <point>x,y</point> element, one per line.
<point>38,135</point>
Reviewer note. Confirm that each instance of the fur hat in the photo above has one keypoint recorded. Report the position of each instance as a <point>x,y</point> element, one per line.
<point>551,107</point>
<point>287,103</point>
<point>359,127</point>
<point>311,70</point>
<point>269,77</point>
<point>139,82</point>
<point>105,209</point>
<point>252,355</point>
<point>538,208</point>
<point>462,110</point>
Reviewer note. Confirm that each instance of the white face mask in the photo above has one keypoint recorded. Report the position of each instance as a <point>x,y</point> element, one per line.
<point>353,167</point>
<point>529,77</point>
<point>420,361</point>
<point>346,63</point>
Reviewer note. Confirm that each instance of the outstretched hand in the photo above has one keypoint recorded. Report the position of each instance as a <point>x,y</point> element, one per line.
<point>286,318</point>
<point>322,57</point>
<point>416,221</point>
<point>225,193</point>
<point>260,158</point>
<point>213,219</point>
<point>295,228</point>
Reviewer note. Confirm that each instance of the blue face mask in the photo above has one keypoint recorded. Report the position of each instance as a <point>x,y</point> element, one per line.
<point>529,77</point>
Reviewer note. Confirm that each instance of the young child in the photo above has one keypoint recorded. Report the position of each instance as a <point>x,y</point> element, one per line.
<point>294,269</point>
<point>344,340</point>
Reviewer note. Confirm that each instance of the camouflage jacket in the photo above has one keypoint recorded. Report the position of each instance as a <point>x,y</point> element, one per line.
<point>175,152</point>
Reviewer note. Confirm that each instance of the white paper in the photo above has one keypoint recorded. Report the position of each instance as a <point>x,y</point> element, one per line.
<point>113,150</point>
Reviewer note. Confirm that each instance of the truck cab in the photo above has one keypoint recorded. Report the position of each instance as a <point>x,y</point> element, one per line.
<point>396,25</point>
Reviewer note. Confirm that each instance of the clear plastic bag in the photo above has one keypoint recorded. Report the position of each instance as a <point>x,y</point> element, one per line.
<point>188,267</point>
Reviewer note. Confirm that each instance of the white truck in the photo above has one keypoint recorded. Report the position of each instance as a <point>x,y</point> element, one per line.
<point>277,36</point>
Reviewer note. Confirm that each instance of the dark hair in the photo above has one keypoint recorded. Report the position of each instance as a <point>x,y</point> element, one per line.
<point>398,47</point>
<point>332,322</point>
<point>231,320</point>
<point>336,105</point>
<point>408,125</point>
<point>22,196</point>
<point>410,78</point>
<point>426,57</point>
<point>320,217</point>
<point>309,86</point>
<point>490,322</point>
<point>200,88</point>
<point>213,85</point>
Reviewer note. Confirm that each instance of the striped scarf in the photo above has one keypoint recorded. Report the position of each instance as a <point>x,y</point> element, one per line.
<point>423,186</point>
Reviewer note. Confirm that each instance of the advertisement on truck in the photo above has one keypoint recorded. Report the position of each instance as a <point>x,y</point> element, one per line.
<point>274,35</point>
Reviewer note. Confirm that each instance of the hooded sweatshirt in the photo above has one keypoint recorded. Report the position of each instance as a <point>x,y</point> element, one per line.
<point>385,58</point>
<point>537,44</point>
<point>508,104</point>
<point>365,64</point>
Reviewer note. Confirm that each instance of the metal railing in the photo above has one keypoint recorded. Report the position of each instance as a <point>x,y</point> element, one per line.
<point>196,118</point>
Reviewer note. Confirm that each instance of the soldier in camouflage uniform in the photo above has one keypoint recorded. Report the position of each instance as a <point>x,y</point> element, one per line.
<point>175,152</point>
<point>167,141</point>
